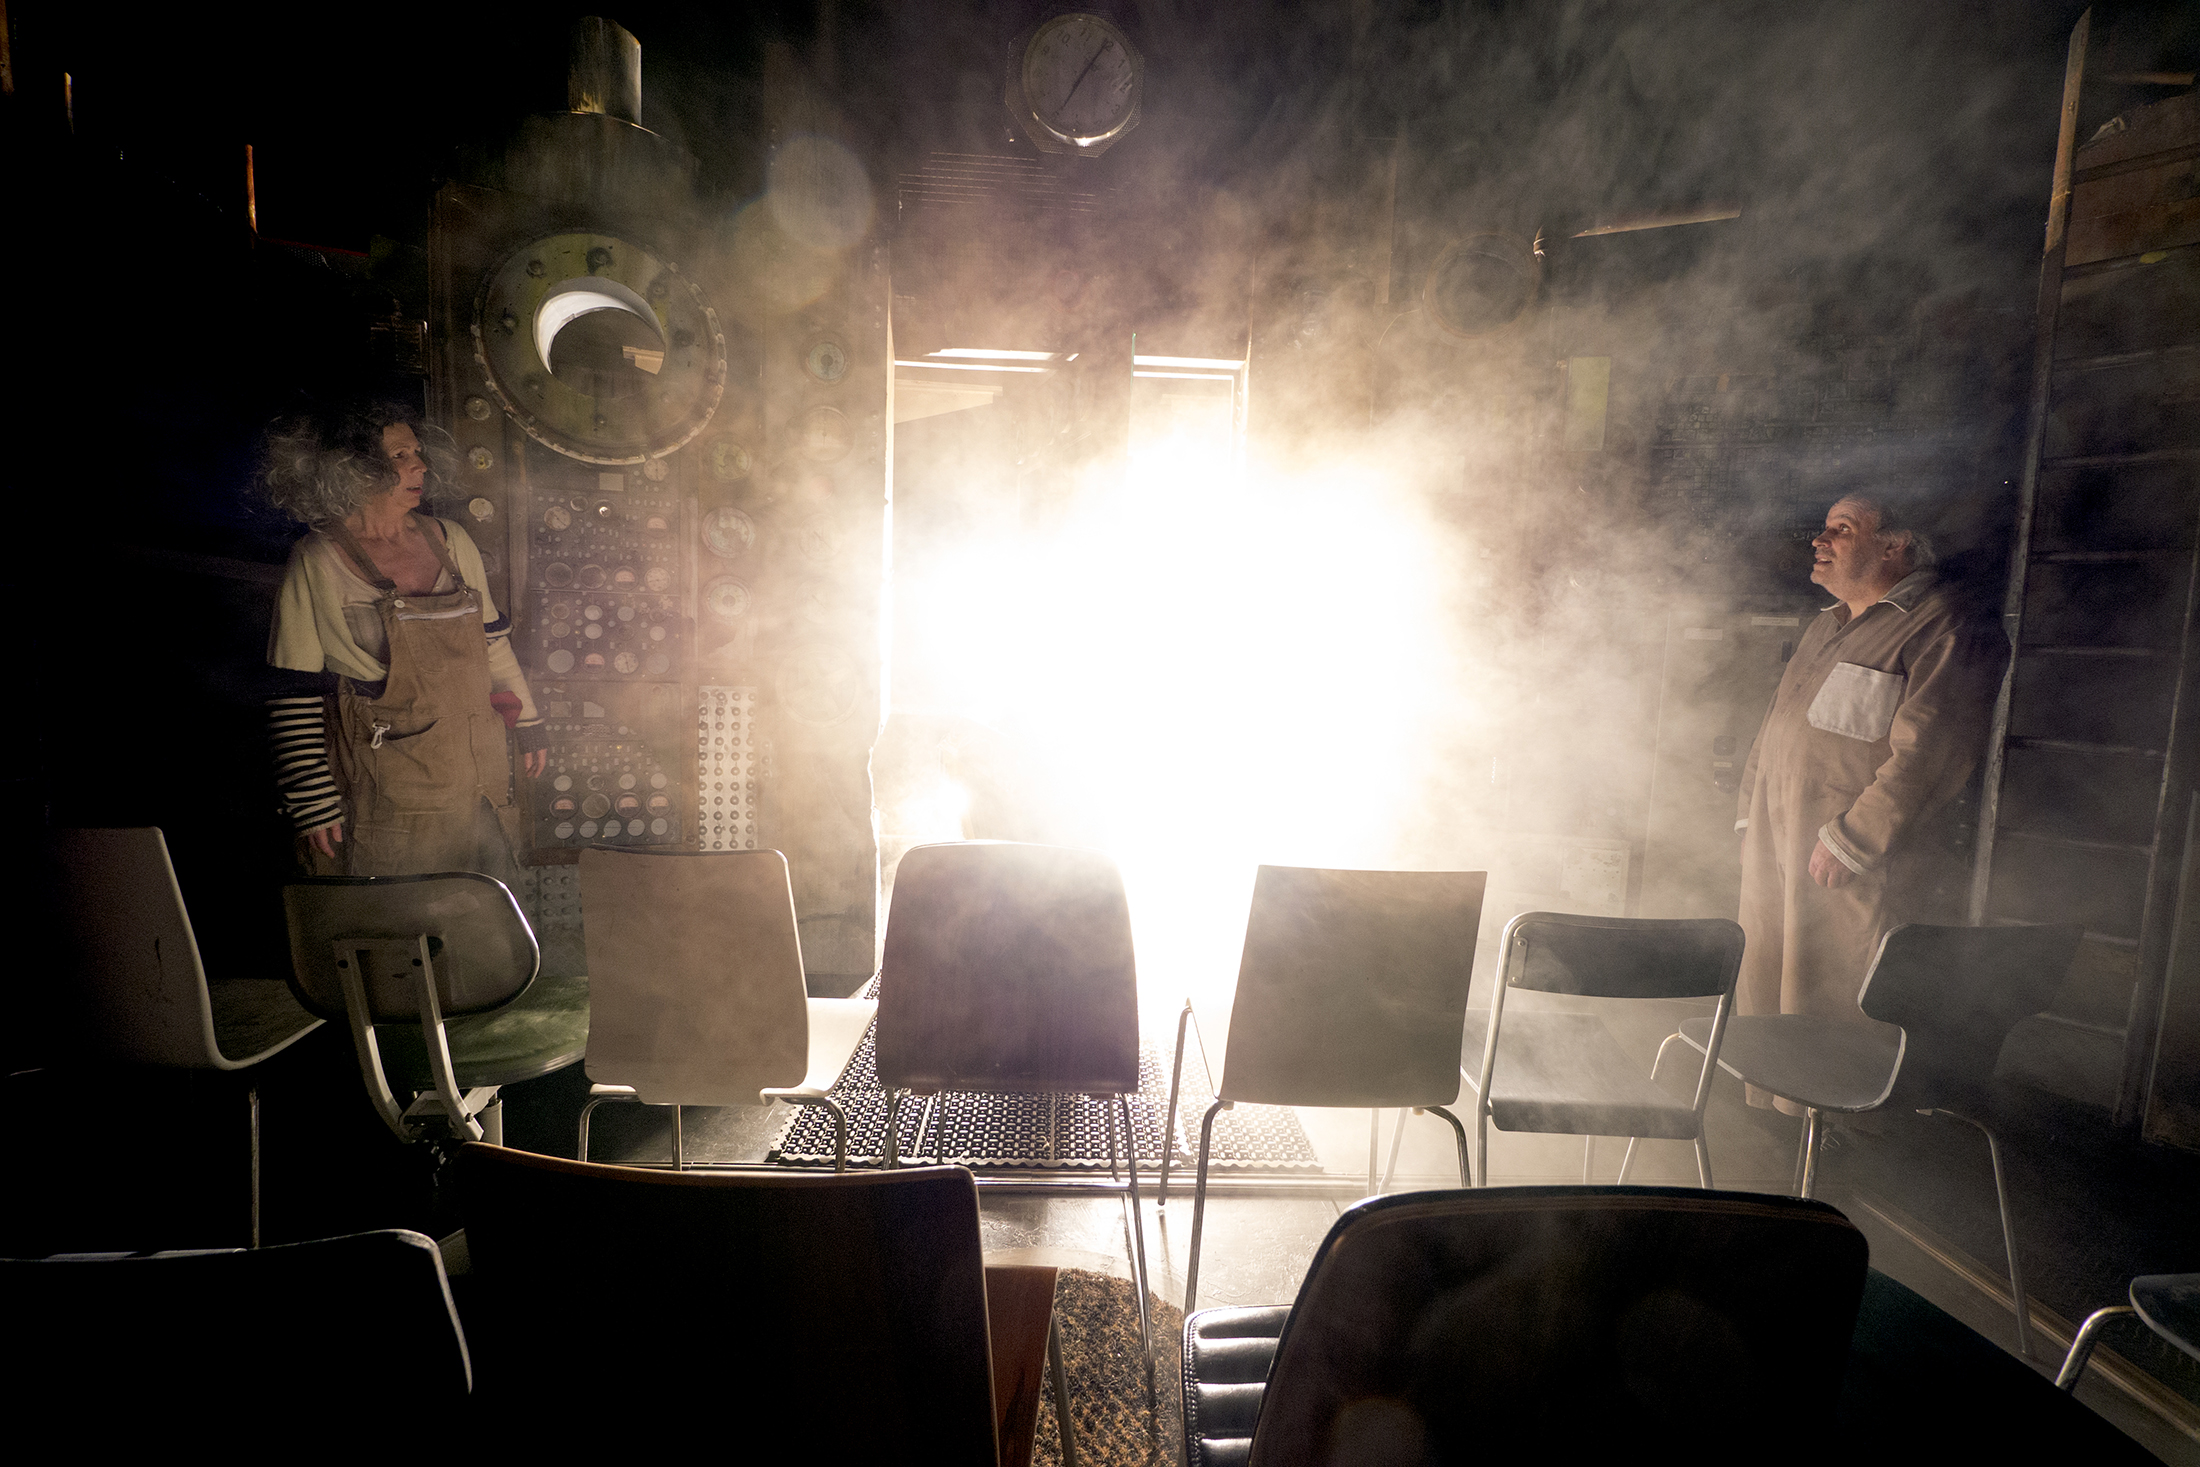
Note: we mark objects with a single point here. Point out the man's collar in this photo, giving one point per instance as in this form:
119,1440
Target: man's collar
1904,594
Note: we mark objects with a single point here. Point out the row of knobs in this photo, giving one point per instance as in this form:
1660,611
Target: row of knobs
558,575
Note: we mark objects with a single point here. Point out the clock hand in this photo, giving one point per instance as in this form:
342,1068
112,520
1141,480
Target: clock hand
1073,86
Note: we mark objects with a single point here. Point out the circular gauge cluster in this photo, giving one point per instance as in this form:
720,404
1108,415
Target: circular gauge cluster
599,348
585,633
1481,283
728,533
1074,84
606,793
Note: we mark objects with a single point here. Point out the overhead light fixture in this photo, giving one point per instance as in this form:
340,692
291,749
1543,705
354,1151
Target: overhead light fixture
992,354
1191,376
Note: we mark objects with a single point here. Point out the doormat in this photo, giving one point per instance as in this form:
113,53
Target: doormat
1107,1377
1045,1133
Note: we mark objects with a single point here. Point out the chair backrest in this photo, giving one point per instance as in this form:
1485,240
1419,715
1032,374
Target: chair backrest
695,991
483,950
1451,1326
1957,992
1621,957
1008,967
135,990
1353,987
850,1306
246,1336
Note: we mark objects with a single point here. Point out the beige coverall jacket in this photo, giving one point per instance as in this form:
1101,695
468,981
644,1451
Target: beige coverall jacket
1878,723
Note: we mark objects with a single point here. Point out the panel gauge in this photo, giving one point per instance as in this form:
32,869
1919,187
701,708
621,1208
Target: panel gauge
1074,84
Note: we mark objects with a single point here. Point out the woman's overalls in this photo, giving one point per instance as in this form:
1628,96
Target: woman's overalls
423,764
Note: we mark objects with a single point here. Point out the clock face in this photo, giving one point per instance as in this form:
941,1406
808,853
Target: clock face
1080,79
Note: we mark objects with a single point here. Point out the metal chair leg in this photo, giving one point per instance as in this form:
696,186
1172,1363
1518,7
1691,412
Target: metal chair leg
1168,1121
1627,1159
252,1109
1374,1144
1144,1280
1481,1142
1397,1135
1703,1157
1199,1204
588,1109
2020,1301
840,1127
1588,1155
935,1116
892,1158
1807,1180
1061,1391
2081,1345
679,1141
1458,1135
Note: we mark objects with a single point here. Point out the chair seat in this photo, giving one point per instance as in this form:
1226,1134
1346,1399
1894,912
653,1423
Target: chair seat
1827,1064
2170,1305
255,1018
1565,1073
544,1030
837,1027
1227,1353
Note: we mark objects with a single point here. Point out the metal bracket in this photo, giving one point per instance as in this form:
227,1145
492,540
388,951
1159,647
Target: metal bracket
441,1110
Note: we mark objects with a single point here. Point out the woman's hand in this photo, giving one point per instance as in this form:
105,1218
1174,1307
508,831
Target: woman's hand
1827,869
535,761
326,838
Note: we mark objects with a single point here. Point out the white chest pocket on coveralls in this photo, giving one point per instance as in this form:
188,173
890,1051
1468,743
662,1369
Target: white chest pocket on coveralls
1857,702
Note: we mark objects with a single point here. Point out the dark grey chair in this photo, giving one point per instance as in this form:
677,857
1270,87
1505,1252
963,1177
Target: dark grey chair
852,1307
134,990
2167,1303
1352,993
1442,1327
1936,1007
1556,1071
436,975
1008,970
136,1347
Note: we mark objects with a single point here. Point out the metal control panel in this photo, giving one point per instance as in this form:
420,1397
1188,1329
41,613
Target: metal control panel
605,635
606,571
606,783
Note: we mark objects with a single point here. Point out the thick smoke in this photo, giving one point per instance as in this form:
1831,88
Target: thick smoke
1494,687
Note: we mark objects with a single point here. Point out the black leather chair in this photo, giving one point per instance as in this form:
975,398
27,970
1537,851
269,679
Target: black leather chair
1448,1326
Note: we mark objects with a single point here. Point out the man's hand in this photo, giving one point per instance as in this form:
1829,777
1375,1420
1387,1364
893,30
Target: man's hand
1827,869
326,838
535,761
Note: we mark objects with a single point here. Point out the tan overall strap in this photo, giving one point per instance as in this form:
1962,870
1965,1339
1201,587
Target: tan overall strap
431,528
361,561
431,531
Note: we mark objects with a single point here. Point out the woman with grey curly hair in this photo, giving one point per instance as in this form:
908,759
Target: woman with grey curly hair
394,658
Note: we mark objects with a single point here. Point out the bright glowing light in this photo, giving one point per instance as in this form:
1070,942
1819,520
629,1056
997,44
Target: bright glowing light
1212,673
963,366
1192,376
992,355
1219,363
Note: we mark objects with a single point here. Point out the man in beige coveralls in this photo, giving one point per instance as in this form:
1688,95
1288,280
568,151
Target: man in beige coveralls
1880,718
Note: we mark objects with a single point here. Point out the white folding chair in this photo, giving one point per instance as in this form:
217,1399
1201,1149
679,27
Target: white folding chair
697,990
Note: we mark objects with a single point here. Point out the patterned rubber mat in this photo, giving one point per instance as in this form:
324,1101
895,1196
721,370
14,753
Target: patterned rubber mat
1071,1133
1107,1377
